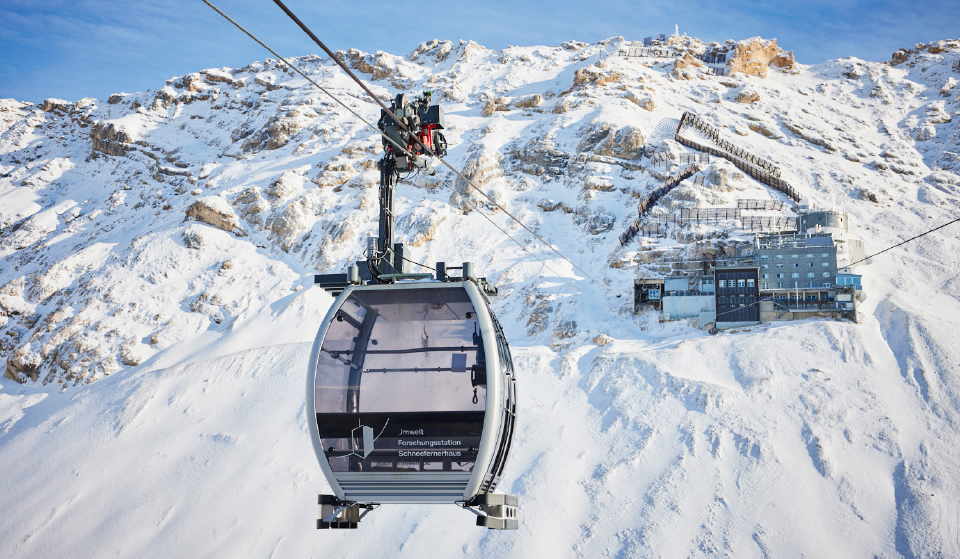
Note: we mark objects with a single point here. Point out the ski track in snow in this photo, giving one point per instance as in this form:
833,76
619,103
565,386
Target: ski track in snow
811,438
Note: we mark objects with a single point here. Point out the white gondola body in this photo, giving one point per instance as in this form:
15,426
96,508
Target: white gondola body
411,394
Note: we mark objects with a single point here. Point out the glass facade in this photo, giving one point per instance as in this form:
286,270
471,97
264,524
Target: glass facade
401,382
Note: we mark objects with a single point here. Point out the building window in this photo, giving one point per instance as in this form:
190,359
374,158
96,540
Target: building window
779,265
826,284
825,264
765,285
794,265
765,266
780,285
824,255
764,257
779,275
765,276
809,256
741,283
811,275
750,282
723,283
794,256
810,264
826,274
779,257
795,275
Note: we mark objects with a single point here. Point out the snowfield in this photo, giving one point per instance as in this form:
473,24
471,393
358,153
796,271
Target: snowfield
157,253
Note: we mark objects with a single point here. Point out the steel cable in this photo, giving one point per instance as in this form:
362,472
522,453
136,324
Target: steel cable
379,102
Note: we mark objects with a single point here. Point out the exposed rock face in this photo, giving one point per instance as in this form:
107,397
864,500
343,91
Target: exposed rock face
279,132
900,57
253,206
687,67
368,64
595,76
602,339
111,139
561,106
215,211
491,106
529,102
52,104
604,139
22,365
564,330
748,95
785,61
643,102
193,82
288,183
293,220
165,97
754,56
540,157
420,225
435,50
481,168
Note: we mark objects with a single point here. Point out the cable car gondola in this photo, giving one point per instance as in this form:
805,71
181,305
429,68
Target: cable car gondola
411,383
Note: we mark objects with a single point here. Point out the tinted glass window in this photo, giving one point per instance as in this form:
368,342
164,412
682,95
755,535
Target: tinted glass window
401,382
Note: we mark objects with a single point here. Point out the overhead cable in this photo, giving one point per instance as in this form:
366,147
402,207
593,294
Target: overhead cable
927,232
426,148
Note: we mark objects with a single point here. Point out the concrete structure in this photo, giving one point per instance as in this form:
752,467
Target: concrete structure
794,261
816,221
688,306
783,277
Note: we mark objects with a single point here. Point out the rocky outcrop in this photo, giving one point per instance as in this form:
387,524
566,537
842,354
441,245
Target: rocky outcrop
253,206
687,67
369,64
529,102
288,183
492,105
595,76
110,138
287,226
754,56
420,225
748,95
606,139
50,105
436,51
900,57
215,211
540,157
280,130
482,168
23,365
645,103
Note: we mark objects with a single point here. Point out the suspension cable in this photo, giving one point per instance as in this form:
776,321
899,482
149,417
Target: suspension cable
429,151
403,149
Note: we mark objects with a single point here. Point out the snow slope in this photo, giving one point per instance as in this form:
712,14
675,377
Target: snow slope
167,417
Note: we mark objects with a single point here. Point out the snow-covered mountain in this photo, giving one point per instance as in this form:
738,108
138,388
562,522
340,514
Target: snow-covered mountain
157,252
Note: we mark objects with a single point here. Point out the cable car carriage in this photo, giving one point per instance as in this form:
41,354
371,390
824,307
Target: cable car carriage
411,386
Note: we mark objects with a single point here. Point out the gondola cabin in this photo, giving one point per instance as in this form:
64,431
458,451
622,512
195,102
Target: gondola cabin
412,390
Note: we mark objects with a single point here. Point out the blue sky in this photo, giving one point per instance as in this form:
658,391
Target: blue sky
80,48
